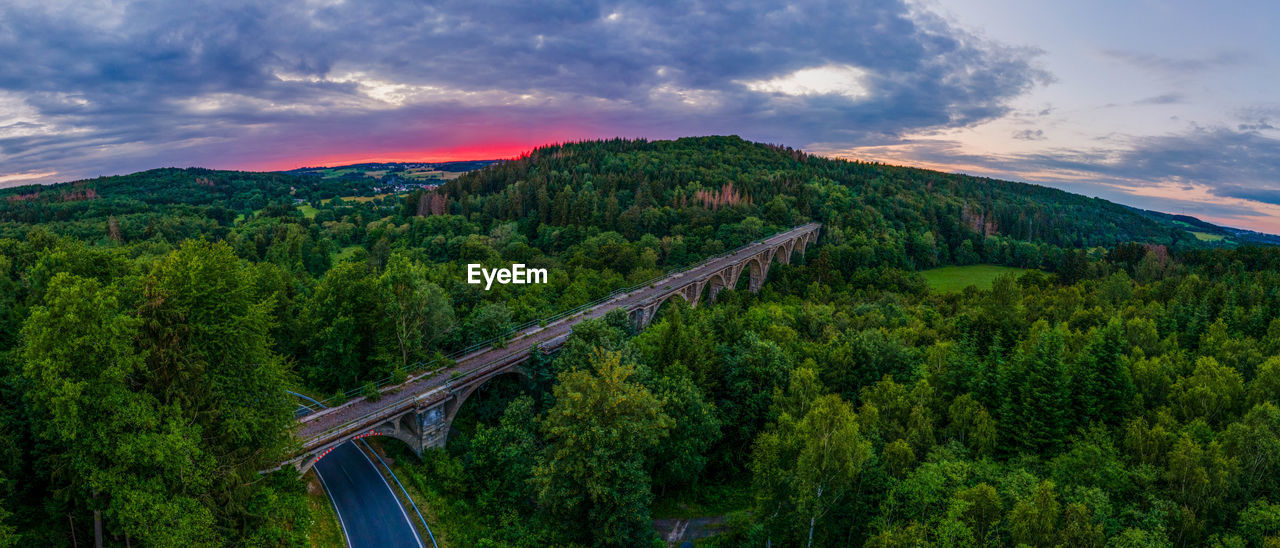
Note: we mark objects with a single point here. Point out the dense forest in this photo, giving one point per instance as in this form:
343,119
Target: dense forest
1121,391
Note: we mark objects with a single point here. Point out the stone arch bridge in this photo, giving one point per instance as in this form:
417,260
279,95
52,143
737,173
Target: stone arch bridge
420,411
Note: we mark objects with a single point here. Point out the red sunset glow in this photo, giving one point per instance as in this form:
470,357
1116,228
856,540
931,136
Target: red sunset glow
485,151
489,143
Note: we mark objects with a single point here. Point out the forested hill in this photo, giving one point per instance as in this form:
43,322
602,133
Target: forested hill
636,186
909,217
168,203
1117,385
730,171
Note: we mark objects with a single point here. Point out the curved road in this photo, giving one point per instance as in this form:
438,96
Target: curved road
368,510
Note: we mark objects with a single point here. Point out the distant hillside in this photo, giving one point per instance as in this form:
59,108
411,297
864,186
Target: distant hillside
1209,232
197,200
645,186
396,172
729,171
167,202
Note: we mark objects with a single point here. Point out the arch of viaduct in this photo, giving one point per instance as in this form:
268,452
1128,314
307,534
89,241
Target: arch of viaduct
755,264
420,411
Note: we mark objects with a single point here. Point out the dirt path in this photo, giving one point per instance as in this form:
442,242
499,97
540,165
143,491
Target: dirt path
683,531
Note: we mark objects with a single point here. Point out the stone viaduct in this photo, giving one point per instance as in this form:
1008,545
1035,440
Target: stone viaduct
420,411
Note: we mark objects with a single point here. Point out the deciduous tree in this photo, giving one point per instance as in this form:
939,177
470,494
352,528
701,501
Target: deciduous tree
592,477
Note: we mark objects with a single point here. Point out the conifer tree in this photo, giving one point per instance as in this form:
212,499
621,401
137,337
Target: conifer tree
1036,405
1102,386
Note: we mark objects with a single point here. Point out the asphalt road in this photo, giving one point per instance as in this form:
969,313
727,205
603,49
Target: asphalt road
368,510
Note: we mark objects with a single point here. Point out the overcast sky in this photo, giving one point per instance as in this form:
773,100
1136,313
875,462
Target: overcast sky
1163,105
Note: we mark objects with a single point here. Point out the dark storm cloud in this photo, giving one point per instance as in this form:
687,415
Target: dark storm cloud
1240,164
1178,65
1233,164
1162,99
1270,196
1257,118
1257,126
1029,135
122,86
1218,157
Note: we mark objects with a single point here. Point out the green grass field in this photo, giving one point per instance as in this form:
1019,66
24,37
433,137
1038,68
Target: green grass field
308,211
1207,237
357,198
951,279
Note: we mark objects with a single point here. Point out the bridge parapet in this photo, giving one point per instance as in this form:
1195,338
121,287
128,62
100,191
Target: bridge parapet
420,412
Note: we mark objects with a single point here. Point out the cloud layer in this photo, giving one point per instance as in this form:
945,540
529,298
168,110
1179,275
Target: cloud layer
1226,175
108,87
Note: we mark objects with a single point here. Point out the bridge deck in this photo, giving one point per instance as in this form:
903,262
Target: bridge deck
334,423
